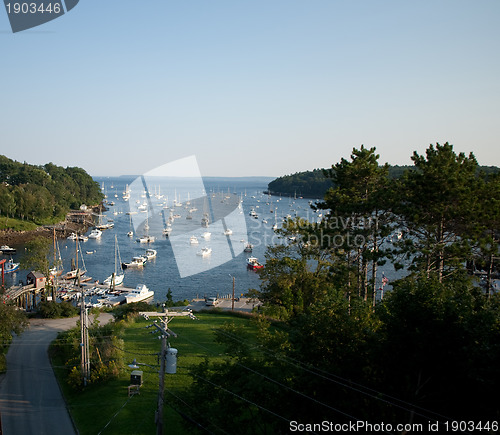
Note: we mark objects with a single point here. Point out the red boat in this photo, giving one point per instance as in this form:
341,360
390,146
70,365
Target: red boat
253,263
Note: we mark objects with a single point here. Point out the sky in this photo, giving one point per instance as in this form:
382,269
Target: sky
250,87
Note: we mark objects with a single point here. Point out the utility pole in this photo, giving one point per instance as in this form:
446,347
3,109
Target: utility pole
232,303
165,333
84,343
166,350
159,413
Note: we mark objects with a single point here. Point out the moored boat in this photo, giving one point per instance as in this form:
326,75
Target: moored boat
253,263
95,234
116,278
7,249
146,239
136,262
140,293
10,266
205,252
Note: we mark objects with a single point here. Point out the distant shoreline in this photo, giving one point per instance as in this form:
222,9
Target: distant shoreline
289,195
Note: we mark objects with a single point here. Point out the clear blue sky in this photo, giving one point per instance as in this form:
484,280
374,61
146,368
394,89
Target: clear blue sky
251,87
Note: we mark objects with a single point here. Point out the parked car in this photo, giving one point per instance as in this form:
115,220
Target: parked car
212,301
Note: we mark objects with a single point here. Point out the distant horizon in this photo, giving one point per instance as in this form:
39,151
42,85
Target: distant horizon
254,176
203,176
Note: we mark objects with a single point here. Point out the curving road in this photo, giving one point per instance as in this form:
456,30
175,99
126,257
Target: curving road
30,399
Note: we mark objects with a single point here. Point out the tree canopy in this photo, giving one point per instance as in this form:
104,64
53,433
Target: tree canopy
43,193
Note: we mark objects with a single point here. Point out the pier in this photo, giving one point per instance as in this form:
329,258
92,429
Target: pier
25,296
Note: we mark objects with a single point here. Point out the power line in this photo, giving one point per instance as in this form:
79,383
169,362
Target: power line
345,382
287,387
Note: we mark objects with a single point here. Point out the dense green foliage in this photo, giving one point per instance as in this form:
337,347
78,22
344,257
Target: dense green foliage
12,321
428,352
105,344
51,310
43,193
310,184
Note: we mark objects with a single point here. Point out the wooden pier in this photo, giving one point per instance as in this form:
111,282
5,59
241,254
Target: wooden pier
24,296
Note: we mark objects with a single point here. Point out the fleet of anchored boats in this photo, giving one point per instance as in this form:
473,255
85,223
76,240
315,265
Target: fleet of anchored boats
108,292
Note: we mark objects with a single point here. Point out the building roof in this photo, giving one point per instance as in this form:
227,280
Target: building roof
36,275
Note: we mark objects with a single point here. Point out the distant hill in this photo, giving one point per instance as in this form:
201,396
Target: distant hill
45,193
314,184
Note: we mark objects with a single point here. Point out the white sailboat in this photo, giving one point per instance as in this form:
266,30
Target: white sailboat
116,278
95,234
76,271
146,238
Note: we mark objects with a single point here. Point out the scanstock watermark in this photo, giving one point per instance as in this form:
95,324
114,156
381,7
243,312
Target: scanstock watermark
205,229
363,427
25,15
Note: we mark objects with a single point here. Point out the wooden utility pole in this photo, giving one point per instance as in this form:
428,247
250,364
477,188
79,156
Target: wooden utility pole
232,304
159,412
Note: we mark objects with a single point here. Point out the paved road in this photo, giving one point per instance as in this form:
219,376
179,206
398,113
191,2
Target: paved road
30,399
241,304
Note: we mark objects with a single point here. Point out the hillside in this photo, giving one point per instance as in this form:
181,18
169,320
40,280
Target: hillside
43,194
314,184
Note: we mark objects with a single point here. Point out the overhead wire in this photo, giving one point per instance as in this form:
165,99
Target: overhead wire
346,382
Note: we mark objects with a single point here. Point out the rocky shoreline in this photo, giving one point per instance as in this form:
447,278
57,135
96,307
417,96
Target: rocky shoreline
62,229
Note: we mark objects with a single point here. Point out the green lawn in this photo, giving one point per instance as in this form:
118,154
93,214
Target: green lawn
106,408
27,225
16,224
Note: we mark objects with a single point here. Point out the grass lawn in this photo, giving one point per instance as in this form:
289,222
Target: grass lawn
16,224
107,409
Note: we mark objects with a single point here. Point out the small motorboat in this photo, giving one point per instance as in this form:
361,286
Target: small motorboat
7,249
95,234
10,266
253,263
205,252
137,262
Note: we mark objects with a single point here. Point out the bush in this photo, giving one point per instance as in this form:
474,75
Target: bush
53,310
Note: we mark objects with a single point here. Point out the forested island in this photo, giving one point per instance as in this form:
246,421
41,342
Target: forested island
42,194
315,183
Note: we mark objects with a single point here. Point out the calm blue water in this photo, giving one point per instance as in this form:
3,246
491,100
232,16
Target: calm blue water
163,273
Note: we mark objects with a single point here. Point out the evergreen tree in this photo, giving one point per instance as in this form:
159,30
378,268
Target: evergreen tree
360,203
437,208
